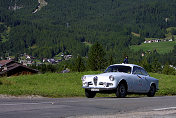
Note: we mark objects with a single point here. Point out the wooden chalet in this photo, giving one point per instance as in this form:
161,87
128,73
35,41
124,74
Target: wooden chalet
12,68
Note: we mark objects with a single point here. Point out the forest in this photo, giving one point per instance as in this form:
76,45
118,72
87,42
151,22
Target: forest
69,25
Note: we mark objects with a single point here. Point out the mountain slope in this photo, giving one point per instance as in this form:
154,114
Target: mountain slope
64,25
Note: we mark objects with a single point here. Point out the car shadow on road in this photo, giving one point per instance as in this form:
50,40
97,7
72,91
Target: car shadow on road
129,96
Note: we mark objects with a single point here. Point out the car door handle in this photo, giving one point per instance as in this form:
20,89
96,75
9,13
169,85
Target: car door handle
139,76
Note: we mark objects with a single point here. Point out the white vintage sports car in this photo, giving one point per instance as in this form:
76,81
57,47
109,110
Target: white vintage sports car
120,79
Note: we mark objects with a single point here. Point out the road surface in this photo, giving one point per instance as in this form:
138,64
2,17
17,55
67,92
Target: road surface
90,108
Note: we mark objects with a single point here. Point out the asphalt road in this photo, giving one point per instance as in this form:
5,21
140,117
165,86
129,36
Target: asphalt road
84,107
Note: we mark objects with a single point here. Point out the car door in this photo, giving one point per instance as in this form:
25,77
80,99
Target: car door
137,81
141,79
145,83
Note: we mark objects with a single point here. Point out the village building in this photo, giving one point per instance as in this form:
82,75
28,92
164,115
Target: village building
67,57
12,68
157,40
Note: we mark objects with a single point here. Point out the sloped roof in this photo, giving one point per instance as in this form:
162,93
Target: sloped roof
16,65
4,62
11,66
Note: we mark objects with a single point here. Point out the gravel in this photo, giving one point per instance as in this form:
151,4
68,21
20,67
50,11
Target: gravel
21,96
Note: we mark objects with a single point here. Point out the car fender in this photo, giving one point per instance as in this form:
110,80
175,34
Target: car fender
122,79
153,83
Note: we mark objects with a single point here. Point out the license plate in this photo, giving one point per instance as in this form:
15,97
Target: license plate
95,90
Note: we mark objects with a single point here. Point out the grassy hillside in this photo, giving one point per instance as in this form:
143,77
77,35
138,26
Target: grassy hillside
161,47
66,85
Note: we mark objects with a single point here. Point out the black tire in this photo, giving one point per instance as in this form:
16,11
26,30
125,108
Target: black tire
89,94
121,91
152,91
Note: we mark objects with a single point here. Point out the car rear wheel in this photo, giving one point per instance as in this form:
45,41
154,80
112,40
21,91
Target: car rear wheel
121,91
89,94
152,91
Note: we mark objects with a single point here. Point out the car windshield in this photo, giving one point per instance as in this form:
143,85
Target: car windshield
118,68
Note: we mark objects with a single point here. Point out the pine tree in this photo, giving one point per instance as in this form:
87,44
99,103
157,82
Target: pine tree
156,66
79,64
173,39
146,65
111,60
96,57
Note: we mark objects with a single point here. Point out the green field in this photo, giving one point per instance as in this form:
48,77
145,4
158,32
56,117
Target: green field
161,47
67,85
48,85
167,84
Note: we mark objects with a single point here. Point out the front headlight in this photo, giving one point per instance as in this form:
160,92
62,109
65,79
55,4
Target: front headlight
111,78
83,78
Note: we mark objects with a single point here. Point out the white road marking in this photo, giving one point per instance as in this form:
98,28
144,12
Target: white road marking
168,108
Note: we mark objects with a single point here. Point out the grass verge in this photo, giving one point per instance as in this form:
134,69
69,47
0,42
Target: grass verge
67,85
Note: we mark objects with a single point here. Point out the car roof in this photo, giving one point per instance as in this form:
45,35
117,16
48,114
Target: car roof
131,65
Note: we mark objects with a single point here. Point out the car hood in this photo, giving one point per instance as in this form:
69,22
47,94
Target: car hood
108,74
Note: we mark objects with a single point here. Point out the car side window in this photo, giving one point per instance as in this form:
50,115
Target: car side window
139,71
144,72
136,70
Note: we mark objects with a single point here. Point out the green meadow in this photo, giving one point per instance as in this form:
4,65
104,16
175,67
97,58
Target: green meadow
67,85
161,47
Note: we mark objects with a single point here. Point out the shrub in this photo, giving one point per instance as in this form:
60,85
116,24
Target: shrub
168,70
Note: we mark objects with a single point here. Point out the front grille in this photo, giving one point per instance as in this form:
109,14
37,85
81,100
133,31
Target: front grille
90,83
95,79
101,83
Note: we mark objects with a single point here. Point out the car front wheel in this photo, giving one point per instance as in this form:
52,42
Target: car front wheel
121,91
89,94
152,91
